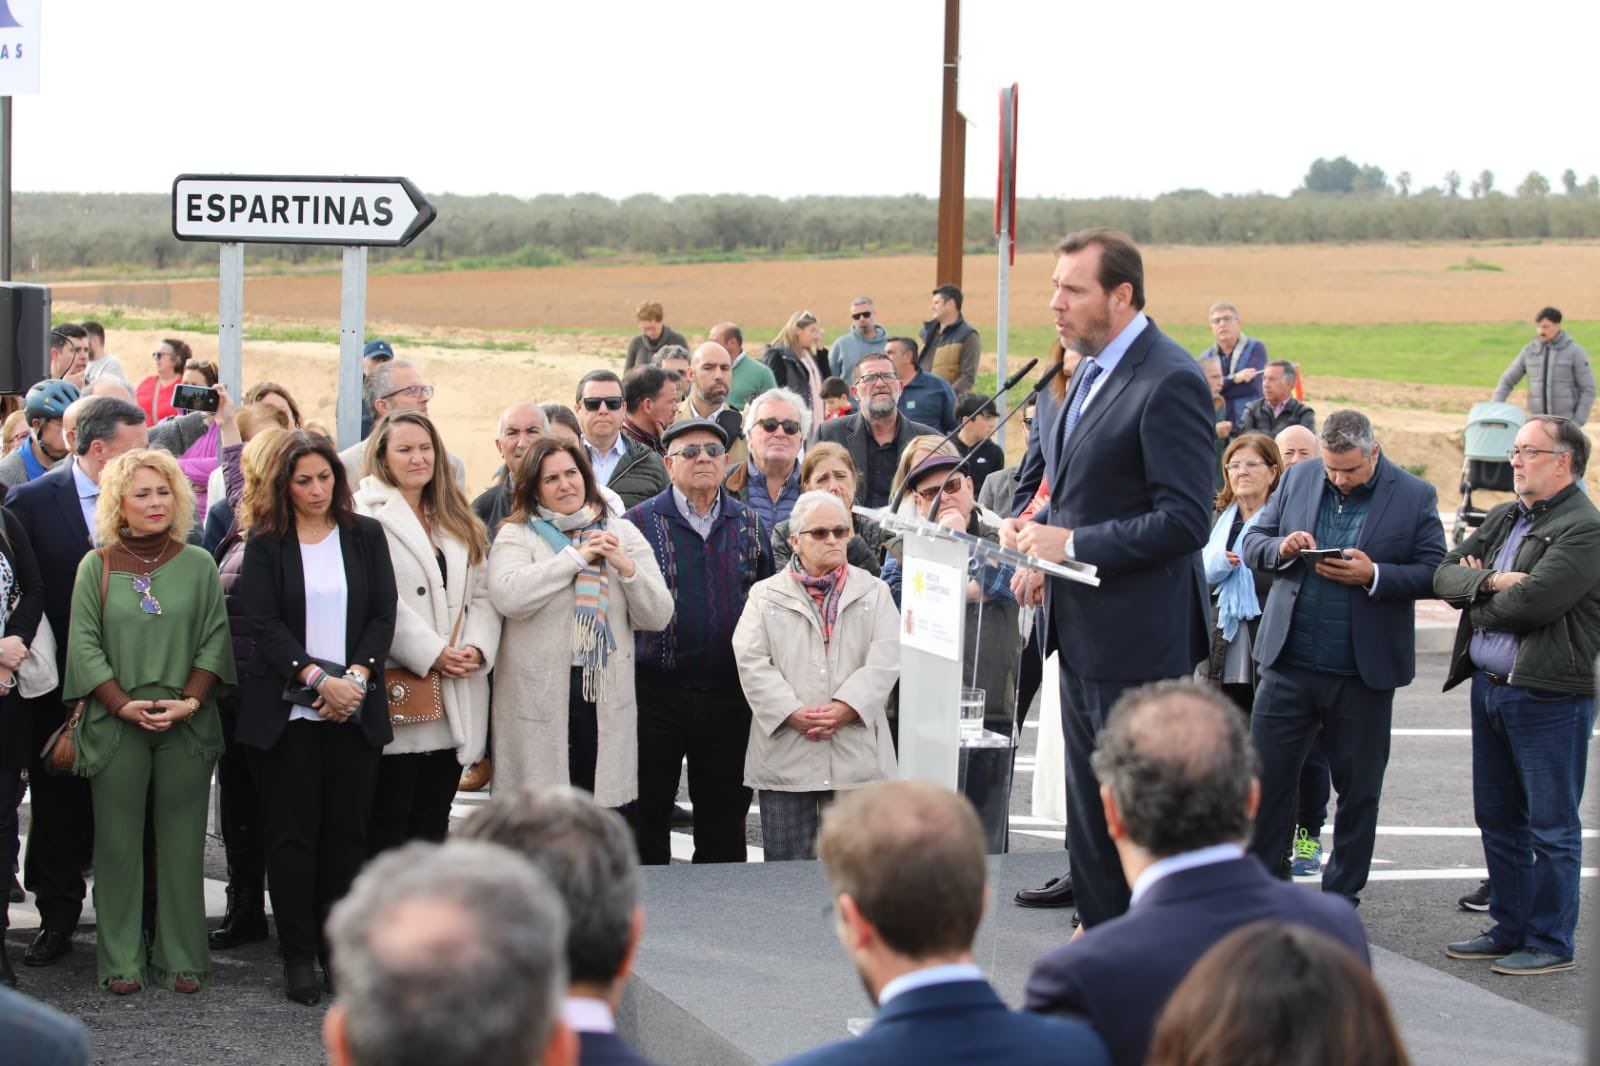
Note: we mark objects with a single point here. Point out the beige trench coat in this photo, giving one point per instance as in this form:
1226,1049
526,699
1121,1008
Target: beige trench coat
532,588
783,666
425,616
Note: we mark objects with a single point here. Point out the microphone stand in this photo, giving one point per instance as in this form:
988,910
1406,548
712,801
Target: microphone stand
1040,386
1010,383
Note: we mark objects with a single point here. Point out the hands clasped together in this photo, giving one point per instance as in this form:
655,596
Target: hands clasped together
821,723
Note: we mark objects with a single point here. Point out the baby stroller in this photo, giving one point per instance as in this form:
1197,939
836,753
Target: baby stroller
1491,432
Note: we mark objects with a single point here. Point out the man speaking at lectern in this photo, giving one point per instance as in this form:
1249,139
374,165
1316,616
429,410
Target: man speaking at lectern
1126,448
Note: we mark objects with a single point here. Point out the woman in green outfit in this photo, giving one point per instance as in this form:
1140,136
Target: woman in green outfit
149,662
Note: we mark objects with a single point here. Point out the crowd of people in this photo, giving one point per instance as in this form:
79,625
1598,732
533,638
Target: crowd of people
671,573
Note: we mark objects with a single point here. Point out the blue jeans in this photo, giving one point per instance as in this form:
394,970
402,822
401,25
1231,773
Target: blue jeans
1529,753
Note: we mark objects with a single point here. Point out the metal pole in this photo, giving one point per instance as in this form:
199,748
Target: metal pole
5,188
1002,318
230,318
352,337
952,156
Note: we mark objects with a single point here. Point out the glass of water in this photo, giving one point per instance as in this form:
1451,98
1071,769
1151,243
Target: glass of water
972,713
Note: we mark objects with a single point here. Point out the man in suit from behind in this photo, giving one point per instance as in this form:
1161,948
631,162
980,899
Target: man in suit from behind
1337,636
57,510
1127,449
1177,779
588,854
882,847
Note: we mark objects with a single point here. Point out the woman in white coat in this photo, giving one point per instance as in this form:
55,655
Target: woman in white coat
818,649
440,553
573,583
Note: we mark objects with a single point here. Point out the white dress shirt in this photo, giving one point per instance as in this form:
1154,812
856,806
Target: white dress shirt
605,465
1188,860
933,975
585,1015
88,498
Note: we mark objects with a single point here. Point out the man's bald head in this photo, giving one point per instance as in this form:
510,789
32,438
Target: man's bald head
1297,444
711,374
1176,759
111,386
519,425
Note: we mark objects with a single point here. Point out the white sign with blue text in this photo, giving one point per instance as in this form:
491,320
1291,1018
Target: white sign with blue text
19,47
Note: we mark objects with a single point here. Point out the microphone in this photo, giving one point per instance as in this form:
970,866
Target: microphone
1009,384
1039,386
1018,376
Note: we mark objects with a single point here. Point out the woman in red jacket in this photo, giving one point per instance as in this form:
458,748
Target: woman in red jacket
155,391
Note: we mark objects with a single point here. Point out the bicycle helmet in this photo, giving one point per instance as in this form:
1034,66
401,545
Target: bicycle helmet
49,399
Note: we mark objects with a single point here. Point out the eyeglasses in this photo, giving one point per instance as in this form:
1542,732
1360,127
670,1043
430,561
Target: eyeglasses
1529,453
416,392
610,403
772,425
873,379
692,451
1239,466
1220,319
950,488
859,315
829,533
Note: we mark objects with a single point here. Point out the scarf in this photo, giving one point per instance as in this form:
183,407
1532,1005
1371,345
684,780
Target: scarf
592,640
825,592
1235,585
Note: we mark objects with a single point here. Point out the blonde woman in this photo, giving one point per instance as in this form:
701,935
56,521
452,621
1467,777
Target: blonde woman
440,554
149,659
799,361
239,797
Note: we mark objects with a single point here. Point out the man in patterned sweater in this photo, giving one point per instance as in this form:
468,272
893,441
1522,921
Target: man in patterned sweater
711,549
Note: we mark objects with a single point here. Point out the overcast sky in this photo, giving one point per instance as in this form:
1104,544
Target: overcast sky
819,97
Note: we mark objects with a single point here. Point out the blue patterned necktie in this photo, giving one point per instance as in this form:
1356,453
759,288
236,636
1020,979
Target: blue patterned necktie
1075,409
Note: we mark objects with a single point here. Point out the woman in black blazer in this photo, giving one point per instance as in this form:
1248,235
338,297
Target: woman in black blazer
319,590
21,607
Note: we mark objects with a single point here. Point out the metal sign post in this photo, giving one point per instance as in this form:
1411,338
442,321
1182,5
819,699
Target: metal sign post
230,318
352,337
351,212
1005,221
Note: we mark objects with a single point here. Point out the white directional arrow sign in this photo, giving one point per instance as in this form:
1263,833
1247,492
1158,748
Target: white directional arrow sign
298,210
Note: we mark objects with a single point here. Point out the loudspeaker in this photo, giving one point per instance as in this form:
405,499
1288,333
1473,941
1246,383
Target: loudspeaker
24,336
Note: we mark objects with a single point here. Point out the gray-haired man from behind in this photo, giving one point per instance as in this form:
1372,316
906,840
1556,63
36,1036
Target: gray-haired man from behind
588,854
449,955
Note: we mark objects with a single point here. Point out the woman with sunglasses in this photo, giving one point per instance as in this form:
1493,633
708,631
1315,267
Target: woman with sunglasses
154,394
572,582
828,468
799,361
818,650
149,656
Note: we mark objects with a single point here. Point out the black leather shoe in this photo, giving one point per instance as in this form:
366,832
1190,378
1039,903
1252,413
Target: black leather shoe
682,817
8,976
238,927
17,895
300,983
1057,892
47,947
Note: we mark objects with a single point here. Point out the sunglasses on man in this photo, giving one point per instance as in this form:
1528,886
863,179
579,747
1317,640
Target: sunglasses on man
772,425
594,403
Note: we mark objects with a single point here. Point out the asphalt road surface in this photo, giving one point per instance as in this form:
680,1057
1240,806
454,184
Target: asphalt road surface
1428,854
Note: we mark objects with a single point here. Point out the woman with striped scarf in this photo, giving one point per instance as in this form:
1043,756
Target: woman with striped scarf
818,648
573,583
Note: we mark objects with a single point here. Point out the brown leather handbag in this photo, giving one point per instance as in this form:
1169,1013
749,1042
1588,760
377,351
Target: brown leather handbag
60,752
414,700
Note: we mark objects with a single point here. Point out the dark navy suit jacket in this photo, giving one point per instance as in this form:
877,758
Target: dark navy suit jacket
1403,536
48,509
1135,486
960,1022
607,1049
1119,975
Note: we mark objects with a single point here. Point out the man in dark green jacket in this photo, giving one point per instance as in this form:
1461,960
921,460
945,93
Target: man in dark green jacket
1529,593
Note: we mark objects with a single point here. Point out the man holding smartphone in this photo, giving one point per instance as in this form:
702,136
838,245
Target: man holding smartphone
1353,541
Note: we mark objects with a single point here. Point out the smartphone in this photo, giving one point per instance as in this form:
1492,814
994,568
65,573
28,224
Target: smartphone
1316,555
195,398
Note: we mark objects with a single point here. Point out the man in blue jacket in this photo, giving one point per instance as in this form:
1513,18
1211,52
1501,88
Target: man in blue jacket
884,847
1243,359
1337,635
1178,784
